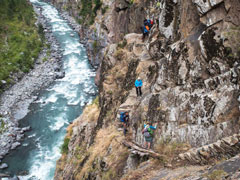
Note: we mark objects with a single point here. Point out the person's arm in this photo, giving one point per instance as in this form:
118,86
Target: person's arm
140,83
154,127
136,84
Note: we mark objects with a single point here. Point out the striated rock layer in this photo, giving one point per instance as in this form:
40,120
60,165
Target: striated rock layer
189,65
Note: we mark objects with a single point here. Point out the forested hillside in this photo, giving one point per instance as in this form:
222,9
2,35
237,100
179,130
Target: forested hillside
20,43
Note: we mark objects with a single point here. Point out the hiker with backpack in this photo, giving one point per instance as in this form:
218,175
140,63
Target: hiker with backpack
147,25
148,134
145,31
138,85
124,118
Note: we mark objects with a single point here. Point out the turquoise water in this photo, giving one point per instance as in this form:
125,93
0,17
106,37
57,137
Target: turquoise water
56,107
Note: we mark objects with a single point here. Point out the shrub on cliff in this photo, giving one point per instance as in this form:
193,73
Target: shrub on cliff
64,148
88,11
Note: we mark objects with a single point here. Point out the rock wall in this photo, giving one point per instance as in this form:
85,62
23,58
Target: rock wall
189,65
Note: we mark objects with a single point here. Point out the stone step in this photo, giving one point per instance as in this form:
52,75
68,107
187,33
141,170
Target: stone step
157,88
226,147
124,110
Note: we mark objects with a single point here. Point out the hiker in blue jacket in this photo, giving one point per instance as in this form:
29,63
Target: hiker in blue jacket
148,134
138,85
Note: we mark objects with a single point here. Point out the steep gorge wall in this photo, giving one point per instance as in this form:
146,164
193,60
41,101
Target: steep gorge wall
190,68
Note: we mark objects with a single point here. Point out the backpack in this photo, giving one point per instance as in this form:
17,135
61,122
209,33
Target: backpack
147,132
145,29
150,131
122,116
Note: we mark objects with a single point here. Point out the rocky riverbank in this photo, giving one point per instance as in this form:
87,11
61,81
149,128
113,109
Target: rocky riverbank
15,101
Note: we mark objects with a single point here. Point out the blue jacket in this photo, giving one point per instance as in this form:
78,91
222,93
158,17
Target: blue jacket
138,83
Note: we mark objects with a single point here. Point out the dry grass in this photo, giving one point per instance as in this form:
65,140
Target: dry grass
216,175
107,147
119,54
90,114
233,37
147,170
170,150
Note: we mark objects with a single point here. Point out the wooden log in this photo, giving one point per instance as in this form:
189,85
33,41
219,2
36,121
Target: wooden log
140,150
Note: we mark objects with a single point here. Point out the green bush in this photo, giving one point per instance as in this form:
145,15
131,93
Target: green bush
104,9
95,46
98,5
64,148
3,126
122,44
96,101
88,11
20,43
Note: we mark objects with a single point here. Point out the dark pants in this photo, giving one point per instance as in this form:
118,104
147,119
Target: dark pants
138,90
144,35
124,128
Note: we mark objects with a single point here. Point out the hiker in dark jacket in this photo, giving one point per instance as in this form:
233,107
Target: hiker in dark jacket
124,117
148,134
138,85
147,25
145,32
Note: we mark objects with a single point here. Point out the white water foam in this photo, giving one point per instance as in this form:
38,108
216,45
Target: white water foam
51,99
43,162
33,135
58,122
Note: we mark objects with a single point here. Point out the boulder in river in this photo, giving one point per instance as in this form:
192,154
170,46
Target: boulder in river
15,145
3,82
3,166
26,128
60,75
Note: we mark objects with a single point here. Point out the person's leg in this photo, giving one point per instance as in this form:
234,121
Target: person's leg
149,145
145,144
137,91
143,37
124,129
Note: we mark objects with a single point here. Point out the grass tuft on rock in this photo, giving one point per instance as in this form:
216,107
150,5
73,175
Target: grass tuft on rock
64,148
170,150
216,175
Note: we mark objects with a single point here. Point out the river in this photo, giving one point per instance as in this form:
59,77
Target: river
56,107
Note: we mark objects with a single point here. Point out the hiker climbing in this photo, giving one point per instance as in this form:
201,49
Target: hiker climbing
147,25
148,134
138,85
124,118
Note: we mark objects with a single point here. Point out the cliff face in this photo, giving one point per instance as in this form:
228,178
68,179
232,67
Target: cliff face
189,65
